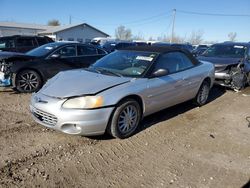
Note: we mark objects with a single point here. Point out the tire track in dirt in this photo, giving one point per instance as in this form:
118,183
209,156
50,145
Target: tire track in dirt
170,150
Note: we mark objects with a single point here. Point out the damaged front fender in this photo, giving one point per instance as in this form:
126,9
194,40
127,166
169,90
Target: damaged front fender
5,74
6,62
234,76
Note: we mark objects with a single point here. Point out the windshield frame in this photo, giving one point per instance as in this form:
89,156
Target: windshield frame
55,47
145,72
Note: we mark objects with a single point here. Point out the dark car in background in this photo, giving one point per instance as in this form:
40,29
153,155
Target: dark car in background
187,46
117,45
199,51
161,44
122,45
28,72
20,43
180,46
109,46
232,63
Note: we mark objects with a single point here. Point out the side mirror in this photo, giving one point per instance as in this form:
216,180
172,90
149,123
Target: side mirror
55,56
160,72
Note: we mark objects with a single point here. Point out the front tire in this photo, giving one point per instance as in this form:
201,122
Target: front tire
203,93
125,119
28,81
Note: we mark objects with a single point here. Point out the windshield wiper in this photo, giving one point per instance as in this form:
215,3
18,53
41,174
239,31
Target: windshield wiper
107,71
92,69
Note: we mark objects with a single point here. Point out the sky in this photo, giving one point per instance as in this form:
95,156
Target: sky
146,18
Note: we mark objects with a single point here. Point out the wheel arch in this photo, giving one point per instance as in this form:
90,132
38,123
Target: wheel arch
131,96
208,79
27,68
136,98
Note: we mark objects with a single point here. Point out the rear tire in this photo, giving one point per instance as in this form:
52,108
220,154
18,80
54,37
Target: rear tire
125,119
203,93
27,81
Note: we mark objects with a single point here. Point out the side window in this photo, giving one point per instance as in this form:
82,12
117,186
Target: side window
25,42
67,51
185,62
86,50
173,62
7,43
41,41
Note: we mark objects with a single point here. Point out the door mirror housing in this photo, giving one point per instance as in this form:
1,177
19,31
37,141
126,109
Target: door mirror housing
160,72
55,56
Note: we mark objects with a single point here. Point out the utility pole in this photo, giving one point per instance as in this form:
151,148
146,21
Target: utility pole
172,35
69,19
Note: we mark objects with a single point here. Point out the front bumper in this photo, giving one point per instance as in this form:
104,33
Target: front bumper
222,78
222,75
48,112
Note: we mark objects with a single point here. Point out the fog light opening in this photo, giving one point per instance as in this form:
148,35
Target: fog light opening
71,128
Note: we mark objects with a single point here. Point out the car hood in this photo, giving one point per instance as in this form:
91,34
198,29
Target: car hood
14,56
220,60
80,82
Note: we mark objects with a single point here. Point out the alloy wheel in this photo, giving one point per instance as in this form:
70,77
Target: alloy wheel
128,119
28,81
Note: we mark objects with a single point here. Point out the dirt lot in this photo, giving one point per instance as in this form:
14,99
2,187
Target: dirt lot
183,146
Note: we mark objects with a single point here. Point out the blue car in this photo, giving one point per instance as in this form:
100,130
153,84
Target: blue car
232,63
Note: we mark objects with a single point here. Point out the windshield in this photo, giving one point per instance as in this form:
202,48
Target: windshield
125,63
43,50
232,51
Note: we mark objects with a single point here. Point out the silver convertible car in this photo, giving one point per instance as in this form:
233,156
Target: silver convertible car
116,92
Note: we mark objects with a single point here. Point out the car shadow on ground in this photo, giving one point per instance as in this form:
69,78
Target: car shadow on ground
169,113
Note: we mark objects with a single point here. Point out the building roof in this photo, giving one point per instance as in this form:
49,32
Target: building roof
24,25
45,29
56,29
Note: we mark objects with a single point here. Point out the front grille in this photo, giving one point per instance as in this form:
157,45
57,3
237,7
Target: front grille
45,117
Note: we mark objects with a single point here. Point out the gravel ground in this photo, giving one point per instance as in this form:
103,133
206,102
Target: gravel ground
183,146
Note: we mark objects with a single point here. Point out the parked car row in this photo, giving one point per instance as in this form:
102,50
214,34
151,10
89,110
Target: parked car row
113,92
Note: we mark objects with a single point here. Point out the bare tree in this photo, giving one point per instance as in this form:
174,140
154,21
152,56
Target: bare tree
175,39
151,38
54,22
232,36
139,36
122,33
196,37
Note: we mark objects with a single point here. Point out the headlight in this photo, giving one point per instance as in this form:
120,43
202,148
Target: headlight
84,102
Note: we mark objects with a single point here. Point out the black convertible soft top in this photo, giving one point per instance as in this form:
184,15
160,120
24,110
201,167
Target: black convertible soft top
157,49
161,50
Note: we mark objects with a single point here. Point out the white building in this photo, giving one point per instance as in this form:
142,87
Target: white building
79,32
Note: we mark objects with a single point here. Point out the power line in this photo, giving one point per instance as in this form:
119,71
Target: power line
214,14
152,21
151,18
